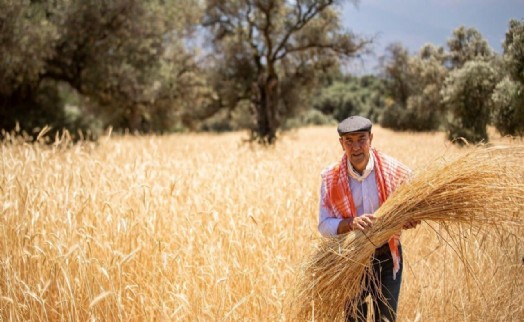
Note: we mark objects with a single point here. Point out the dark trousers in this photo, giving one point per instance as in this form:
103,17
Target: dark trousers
384,290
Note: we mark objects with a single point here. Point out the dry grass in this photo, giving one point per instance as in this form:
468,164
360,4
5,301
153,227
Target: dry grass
203,228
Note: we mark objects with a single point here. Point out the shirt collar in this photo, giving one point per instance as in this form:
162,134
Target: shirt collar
361,177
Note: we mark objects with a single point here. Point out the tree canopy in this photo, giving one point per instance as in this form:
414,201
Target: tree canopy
114,53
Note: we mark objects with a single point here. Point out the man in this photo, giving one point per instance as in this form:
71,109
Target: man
351,191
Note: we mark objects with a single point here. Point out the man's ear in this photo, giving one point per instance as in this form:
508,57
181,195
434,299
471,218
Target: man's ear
341,143
370,138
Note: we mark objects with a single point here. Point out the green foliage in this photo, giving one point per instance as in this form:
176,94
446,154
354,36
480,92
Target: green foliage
126,58
26,41
310,117
508,98
413,86
224,120
352,96
467,44
425,110
514,50
394,117
508,112
396,72
467,94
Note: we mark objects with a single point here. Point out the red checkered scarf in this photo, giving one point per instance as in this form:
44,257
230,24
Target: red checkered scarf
389,173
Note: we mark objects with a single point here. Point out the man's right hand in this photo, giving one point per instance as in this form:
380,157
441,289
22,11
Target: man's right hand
361,223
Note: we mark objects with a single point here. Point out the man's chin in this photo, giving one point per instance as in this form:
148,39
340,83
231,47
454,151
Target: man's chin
358,161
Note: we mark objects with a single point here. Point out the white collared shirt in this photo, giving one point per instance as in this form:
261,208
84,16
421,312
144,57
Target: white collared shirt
365,197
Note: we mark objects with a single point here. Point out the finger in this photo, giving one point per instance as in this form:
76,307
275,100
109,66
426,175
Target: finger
368,220
361,225
367,224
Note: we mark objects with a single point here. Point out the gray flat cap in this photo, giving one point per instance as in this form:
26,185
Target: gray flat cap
354,124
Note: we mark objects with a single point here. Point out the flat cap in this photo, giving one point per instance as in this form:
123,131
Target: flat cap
354,124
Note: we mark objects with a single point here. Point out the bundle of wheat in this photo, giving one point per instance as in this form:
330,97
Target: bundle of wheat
484,186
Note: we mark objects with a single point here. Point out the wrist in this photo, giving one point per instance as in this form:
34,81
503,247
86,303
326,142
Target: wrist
345,225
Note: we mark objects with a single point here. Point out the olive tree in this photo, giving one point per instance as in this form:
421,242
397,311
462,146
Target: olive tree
116,55
413,84
508,98
267,51
467,44
467,94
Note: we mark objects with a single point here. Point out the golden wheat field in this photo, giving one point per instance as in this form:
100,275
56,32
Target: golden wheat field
201,227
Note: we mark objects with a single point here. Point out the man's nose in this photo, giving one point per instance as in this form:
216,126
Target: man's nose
355,145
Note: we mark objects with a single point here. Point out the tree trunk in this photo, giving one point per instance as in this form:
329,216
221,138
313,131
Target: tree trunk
133,119
266,106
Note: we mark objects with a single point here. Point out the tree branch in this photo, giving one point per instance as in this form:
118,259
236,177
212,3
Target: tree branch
250,38
266,32
312,11
337,47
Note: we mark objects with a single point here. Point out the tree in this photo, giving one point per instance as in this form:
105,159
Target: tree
396,72
267,51
514,50
424,105
114,53
508,109
467,93
413,88
399,85
508,112
467,44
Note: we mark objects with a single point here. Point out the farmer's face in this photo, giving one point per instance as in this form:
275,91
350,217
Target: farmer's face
356,146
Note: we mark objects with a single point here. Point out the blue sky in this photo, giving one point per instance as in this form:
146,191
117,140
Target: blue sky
416,22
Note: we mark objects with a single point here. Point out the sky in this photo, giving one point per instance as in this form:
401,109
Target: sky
414,23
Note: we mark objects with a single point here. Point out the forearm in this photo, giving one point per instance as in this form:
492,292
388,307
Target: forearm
328,227
327,221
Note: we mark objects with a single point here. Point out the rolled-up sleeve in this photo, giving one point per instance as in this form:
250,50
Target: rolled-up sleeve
327,221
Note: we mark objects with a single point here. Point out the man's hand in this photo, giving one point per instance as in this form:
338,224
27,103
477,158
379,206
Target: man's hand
363,222
411,224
